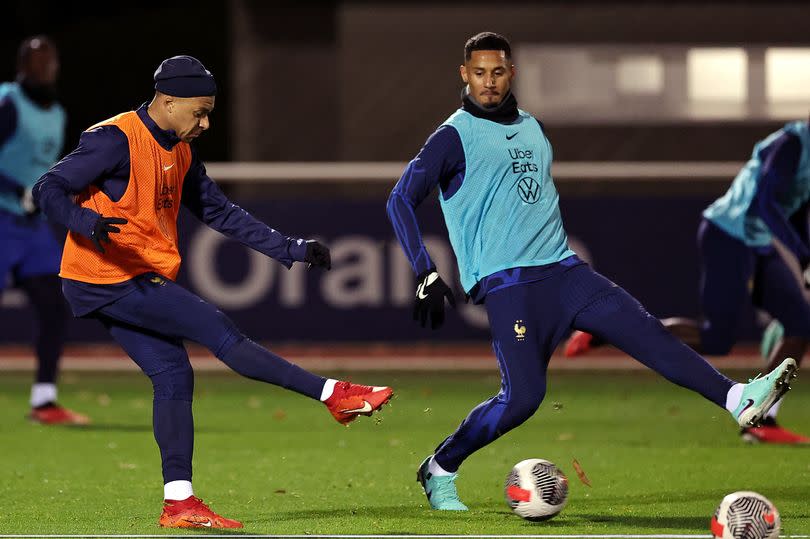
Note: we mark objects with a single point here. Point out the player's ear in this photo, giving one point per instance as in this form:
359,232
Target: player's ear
168,103
463,71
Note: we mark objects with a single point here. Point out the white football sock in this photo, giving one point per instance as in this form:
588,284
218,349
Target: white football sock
328,388
774,409
734,396
42,394
177,490
435,469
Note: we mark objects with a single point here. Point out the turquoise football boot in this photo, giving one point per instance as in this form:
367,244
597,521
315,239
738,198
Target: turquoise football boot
770,338
440,490
760,394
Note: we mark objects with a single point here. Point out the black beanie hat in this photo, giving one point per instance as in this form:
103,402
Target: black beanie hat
184,76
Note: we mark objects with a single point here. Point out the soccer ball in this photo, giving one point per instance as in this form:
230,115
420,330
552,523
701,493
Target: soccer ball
746,515
536,489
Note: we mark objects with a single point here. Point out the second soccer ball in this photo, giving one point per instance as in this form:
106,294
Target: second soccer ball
536,489
746,515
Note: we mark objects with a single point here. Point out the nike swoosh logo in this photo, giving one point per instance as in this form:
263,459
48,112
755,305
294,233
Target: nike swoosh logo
164,170
366,408
748,405
420,291
206,524
510,137
429,280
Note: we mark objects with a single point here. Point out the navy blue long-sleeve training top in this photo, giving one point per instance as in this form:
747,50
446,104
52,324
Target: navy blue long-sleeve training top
102,158
441,163
776,179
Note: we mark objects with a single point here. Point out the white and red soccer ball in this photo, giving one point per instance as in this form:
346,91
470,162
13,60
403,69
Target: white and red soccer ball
746,515
536,489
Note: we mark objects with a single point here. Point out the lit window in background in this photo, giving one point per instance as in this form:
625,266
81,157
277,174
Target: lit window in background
640,75
624,83
717,75
787,75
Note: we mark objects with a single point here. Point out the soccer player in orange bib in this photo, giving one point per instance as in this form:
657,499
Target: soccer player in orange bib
119,194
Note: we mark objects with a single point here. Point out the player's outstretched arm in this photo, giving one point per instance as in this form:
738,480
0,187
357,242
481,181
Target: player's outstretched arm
102,152
203,197
776,184
440,162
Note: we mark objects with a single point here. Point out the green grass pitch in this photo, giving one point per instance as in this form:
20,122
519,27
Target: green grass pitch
659,458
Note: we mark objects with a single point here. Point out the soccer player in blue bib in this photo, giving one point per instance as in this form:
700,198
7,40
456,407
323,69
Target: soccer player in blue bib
492,164
768,199
32,125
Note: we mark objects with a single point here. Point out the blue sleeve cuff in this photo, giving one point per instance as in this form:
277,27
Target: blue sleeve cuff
298,249
83,221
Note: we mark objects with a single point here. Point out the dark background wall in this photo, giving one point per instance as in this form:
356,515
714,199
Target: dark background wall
330,80
109,51
401,64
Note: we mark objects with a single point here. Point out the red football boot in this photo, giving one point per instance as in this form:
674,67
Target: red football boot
578,344
53,414
769,432
193,513
350,400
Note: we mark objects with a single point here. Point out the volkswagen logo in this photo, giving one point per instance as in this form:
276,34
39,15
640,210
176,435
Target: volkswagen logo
528,189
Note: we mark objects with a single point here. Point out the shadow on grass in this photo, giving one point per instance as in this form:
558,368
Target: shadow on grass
683,523
393,512
120,427
487,516
112,427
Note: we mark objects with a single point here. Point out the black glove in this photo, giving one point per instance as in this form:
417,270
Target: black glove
103,228
318,255
430,294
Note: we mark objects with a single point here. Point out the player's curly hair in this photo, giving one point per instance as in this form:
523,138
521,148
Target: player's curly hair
487,41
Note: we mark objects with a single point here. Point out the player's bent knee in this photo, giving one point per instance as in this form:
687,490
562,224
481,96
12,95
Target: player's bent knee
176,383
518,410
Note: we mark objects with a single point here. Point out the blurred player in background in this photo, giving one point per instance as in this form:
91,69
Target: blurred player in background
739,263
492,164
32,125
119,194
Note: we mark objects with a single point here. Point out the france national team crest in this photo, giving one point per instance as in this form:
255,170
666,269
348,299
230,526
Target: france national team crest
520,331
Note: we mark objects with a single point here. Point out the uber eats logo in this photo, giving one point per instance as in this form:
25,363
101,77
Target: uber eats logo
523,162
